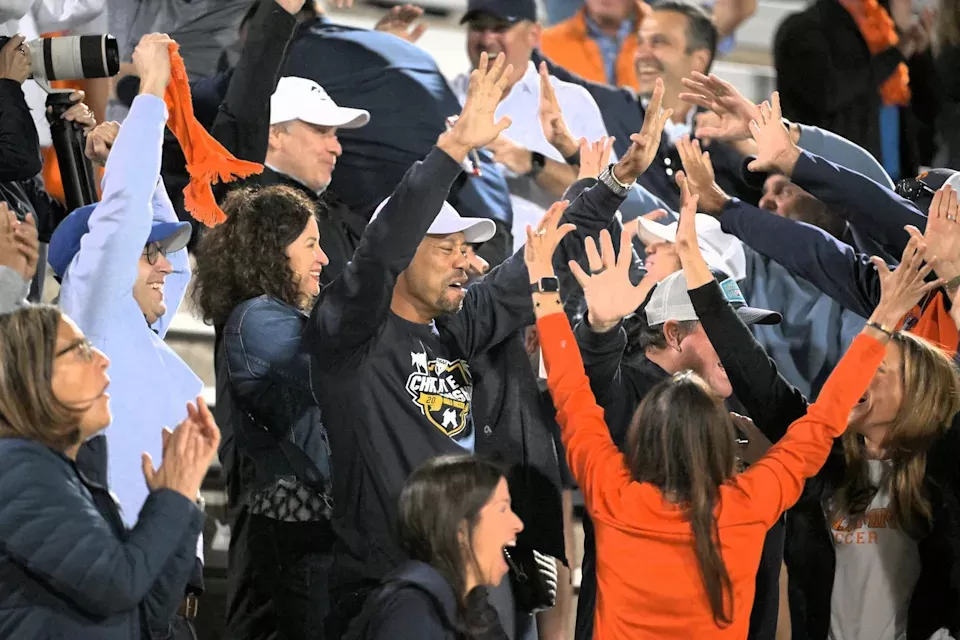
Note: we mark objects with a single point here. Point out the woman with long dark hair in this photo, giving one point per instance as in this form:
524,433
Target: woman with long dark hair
69,567
679,530
257,277
454,523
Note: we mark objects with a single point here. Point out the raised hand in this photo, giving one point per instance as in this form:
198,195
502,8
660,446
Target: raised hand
607,288
942,236
646,142
476,126
400,21
699,176
733,111
151,58
542,243
15,60
100,141
902,288
594,156
511,155
554,127
776,151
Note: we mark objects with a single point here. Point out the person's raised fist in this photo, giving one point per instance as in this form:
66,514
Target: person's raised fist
152,61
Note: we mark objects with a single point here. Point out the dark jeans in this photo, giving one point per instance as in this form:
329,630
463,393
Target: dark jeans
277,578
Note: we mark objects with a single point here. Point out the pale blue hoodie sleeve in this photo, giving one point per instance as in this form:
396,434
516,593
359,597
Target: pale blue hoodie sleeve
175,286
843,152
101,277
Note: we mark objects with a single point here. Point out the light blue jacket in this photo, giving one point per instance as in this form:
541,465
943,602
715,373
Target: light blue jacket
150,385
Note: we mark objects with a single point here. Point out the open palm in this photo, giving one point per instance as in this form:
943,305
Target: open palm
775,150
733,111
477,126
942,235
607,288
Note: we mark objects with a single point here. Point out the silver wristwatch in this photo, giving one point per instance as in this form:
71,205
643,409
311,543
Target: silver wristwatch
607,178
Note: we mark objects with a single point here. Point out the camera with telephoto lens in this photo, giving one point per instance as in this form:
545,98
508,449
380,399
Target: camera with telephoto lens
72,57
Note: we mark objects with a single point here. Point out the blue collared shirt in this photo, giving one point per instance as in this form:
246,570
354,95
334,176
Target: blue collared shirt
609,47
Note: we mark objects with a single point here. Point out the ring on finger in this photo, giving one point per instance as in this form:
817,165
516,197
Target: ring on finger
541,232
594,272
952,218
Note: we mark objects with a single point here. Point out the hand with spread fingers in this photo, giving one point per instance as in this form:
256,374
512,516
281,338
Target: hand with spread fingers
594,156
476,127
902,288
609,294
733,111
543,241
554,127
641,153
942,236
776,151
700,176
401,21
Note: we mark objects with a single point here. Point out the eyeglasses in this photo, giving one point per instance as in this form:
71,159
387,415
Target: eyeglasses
152,252
911,188
83,347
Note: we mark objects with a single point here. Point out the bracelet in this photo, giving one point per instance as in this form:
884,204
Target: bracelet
607,178
881,328
573,160
537,163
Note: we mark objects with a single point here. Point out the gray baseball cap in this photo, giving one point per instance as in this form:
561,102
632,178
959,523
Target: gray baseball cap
670,300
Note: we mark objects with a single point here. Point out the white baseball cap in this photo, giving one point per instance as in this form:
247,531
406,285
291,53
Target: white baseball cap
670,300
722,251
303,99
449,221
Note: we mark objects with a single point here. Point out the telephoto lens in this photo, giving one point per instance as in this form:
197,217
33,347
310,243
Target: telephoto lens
72,57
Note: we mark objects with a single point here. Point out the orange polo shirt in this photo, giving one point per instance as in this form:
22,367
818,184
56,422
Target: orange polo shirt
569,45
648,578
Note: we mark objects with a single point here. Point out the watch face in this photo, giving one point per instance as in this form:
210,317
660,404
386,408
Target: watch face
549,285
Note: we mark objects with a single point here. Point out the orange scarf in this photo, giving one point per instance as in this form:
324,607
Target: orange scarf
878,30
207,160
936,325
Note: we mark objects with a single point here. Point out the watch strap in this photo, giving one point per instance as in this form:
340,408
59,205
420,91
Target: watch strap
537,163
619,188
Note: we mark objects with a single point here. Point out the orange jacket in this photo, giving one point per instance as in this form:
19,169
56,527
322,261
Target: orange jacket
569,45
649,584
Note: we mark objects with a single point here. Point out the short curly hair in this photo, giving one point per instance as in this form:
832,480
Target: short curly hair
245,256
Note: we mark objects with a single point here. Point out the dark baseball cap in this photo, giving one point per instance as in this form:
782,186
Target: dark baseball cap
512,11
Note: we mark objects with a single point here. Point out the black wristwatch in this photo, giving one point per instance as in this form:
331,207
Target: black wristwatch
549,284
537,163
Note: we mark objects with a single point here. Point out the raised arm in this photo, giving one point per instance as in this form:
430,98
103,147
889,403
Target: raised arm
775,482
771,401
243,122
352,308
104,270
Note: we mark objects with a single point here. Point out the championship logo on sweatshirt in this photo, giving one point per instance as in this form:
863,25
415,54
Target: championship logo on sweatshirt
442,389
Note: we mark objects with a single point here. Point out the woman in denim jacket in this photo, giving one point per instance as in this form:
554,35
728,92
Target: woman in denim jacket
257,277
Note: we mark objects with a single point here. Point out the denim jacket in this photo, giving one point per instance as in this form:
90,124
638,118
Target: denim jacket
265,403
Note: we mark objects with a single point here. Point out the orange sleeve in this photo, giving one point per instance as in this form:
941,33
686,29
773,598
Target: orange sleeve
774,483
596,463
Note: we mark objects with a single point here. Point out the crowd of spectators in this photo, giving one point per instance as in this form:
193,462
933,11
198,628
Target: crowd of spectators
443,307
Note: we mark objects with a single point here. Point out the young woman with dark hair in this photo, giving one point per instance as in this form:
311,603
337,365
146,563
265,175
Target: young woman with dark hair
69,567
454,522
257,277
680,530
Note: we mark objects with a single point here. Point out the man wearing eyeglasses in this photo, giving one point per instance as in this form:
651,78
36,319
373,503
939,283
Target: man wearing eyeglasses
124,270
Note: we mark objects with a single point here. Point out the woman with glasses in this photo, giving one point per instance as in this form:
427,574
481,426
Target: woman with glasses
69,567
257,277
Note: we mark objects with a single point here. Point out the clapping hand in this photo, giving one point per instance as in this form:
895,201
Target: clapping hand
902,288
476,126
594,156
699,176
607,288
776,151
641,153
942,237
554,127
542,243
187,453
733,111
19,244
100,141
400,21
